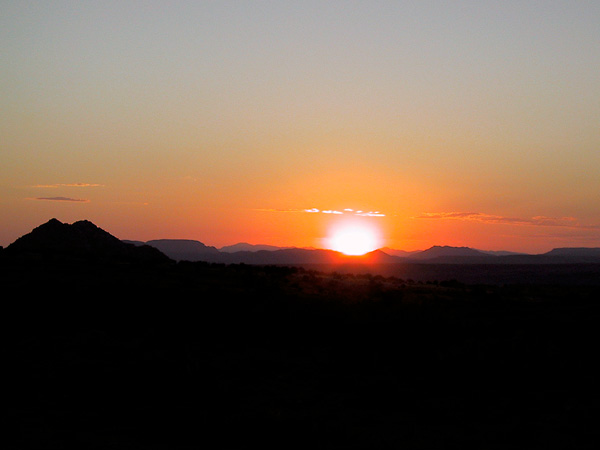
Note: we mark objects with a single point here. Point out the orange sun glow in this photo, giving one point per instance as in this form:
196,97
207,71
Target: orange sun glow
354,239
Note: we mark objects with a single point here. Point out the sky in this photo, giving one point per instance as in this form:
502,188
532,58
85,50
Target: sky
464,123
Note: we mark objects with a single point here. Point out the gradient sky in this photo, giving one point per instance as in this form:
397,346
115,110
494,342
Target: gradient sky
470,123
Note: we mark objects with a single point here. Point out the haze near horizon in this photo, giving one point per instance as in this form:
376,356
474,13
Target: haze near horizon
430,123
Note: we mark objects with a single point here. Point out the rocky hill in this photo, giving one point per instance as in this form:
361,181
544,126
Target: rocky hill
81,240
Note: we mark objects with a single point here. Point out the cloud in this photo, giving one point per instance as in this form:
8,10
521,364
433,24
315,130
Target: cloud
346,211
57,185
62,199
369,214
542,221
279,210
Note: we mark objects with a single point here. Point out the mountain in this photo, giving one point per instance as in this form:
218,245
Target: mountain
81,240
190,250
399,253
245,247
374,257
185,249
136,243
500,252
575,252
445,252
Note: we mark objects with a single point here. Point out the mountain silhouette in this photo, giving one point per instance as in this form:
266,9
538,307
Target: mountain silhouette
177,355
246,247
500,252
188,250
374,257
84,240
575,251
81,240
399,253
446,251
191,250
185,249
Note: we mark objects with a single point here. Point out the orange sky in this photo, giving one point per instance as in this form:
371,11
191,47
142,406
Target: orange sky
472,124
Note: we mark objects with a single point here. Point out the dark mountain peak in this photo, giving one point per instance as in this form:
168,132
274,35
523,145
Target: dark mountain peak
53,225
52,222
85,225
81,240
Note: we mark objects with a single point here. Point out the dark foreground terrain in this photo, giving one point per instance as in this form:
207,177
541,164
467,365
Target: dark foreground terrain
194,355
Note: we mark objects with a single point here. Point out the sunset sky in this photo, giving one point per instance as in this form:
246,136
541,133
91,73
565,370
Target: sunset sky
465,123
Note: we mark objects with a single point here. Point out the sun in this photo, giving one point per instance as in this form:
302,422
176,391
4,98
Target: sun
354,239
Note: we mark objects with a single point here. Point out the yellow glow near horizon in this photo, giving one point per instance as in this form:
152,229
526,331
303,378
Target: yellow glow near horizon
211,121
354,239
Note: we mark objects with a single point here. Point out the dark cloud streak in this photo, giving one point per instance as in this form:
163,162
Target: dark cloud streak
542,221
63,199
57,185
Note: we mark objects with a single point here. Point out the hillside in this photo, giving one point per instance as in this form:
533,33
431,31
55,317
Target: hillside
184,249
445,251
184,355
81,240
575,252
84,239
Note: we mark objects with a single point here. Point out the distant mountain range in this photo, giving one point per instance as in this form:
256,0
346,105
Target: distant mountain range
182,249
268,254
84,240
446,251
399,253
245,247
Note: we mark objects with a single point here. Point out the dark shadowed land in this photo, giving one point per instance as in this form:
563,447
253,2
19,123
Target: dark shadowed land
568,274
125,351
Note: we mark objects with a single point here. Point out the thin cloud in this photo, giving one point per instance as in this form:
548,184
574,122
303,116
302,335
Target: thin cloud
345,211
63,199
542,221
131,203
369,214
279,210
57,185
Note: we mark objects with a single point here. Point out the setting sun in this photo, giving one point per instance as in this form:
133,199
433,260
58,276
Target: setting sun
354,239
